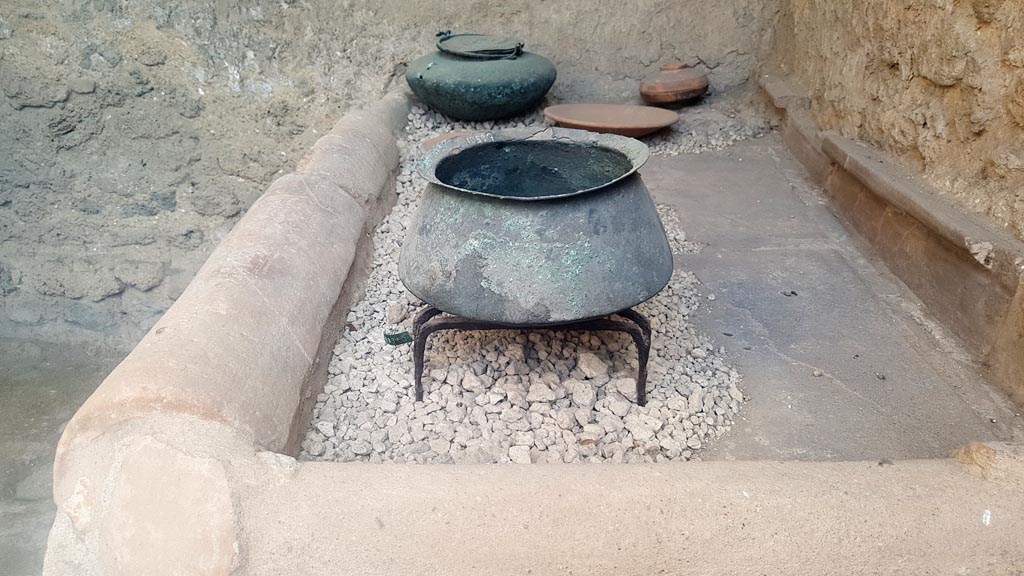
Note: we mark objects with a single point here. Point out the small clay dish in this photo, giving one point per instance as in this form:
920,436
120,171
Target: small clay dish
674,84
622,119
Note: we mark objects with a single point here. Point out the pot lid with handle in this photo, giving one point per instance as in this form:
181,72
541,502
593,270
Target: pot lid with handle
480,46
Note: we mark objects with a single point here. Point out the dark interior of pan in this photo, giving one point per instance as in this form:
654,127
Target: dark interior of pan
533,169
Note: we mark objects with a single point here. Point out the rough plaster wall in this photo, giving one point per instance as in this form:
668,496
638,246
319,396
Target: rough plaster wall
601,47
940,83
121,165
133,134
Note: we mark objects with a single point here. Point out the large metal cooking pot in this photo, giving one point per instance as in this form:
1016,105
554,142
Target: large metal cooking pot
535,227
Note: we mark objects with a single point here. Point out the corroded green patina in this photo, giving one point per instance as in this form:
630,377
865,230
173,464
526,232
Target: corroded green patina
537,259
478,78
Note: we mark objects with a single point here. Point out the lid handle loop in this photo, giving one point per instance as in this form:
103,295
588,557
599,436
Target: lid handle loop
478,46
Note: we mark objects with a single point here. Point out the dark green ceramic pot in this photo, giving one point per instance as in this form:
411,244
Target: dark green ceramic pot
475,77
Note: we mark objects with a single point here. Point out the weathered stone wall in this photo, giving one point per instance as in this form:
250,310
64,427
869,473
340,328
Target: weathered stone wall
135,134
938,83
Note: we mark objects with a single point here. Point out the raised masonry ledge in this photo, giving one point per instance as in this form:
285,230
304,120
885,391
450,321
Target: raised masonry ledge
967,271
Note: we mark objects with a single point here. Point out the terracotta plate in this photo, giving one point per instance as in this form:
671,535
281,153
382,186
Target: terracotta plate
611,118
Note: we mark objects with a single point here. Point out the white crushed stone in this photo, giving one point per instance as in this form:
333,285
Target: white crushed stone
506,396
720,123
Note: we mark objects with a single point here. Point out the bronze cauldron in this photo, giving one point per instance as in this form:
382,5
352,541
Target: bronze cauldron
533,227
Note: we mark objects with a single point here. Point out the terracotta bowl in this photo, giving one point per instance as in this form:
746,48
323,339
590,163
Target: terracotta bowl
674,84
622,119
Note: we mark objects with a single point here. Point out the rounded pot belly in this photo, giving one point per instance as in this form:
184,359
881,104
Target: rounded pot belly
537,262
469,89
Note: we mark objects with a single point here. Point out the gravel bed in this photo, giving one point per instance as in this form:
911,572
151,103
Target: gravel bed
712,125
506,396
